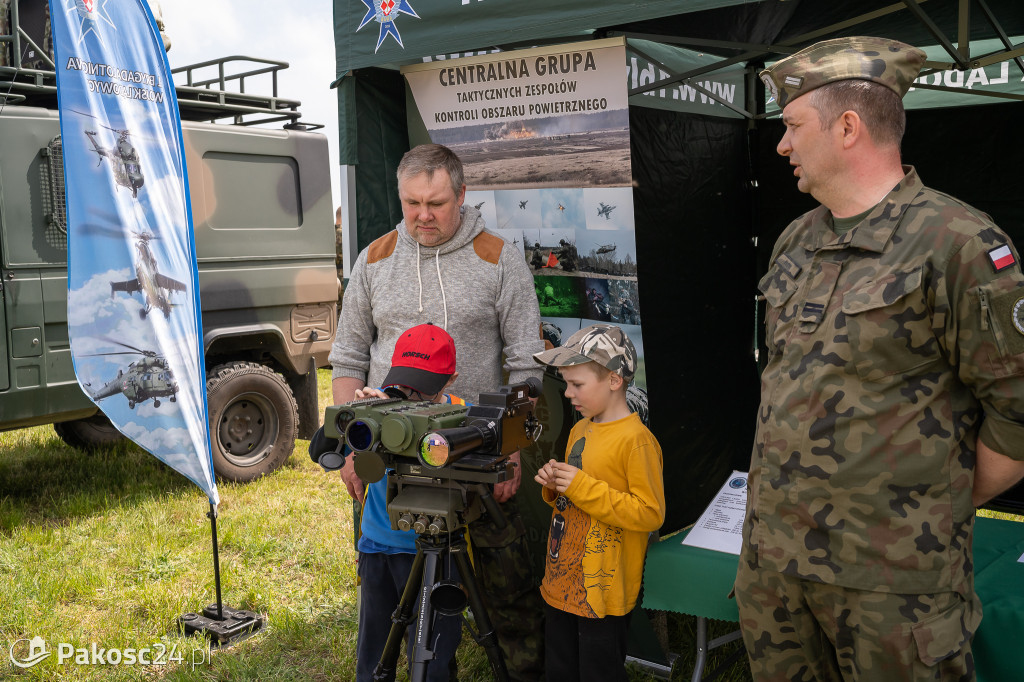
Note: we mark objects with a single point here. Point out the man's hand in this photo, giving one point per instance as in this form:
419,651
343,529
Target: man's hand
367,392
994,473
505,490
556,475
356,486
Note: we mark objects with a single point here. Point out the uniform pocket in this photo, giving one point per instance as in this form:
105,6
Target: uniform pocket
889,326
778,287
940,636
1002,319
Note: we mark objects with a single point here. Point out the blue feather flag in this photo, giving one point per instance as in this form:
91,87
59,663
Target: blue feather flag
133,290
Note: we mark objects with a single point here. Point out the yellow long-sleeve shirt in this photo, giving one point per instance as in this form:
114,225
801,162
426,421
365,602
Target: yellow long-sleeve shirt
599,527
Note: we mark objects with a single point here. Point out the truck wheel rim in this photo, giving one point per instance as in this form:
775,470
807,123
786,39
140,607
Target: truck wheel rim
248,429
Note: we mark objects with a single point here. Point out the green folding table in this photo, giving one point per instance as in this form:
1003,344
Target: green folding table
698,581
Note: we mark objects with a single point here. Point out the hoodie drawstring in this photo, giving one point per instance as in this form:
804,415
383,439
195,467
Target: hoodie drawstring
444,300
419,280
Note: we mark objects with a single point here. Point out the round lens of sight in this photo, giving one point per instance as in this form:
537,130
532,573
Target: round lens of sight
434,450
342,419
359,436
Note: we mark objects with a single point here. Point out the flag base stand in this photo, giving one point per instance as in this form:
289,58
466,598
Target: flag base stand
224,626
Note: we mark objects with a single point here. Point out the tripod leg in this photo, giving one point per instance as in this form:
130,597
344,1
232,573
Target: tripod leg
485,631
422,651
400,620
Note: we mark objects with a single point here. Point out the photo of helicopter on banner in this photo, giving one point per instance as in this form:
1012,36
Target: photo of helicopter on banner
543,135
133,313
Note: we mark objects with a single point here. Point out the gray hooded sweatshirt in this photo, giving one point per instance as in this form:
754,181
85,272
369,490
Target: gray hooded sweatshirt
476,286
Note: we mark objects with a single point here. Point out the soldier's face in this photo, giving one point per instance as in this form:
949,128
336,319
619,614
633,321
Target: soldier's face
430,207
812,152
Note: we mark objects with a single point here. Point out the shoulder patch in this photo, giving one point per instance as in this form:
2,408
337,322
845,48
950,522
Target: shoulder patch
382,247
488,247
1001,257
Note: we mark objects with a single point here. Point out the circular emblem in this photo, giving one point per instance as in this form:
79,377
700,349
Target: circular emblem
561,503
1018,315
738,483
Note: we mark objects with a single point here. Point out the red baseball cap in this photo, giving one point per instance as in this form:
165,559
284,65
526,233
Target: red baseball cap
424,360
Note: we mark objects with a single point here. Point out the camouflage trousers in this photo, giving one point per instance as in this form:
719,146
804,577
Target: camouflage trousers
798,631
504,571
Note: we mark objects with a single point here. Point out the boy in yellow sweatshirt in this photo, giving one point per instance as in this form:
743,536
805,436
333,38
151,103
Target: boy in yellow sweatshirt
607,496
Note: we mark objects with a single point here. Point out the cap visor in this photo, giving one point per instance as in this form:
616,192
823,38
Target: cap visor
561,357
427,383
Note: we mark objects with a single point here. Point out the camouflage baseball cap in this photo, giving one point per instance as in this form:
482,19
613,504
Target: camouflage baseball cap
605,344
888,62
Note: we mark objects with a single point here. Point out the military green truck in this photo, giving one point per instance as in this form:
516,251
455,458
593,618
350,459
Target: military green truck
261,207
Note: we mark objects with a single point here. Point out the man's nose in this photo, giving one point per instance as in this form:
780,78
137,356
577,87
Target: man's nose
784,147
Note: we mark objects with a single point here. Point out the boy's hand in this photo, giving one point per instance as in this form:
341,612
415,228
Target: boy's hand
556,475
562,474
355,485
367,392
545,475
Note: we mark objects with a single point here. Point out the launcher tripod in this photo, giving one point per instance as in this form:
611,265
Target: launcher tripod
433,594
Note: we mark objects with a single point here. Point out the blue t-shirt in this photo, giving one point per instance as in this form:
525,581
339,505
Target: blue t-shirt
376,536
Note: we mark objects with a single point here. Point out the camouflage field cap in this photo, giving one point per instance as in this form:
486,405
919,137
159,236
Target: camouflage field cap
888,62
605,344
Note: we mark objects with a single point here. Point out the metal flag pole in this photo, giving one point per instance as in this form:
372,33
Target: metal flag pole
223,625
216,560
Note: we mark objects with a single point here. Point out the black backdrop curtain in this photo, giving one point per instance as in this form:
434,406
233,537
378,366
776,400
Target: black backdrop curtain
692,197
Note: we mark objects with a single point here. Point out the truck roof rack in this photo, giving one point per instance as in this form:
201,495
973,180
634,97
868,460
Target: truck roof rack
203,97
212,90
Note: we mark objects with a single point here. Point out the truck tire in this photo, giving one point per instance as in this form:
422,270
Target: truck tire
253,420
92,433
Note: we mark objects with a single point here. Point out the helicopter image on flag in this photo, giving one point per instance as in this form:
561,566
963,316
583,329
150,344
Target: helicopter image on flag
156,288
123,158
147,378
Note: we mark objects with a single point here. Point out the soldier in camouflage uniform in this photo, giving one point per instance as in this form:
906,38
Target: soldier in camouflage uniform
892,400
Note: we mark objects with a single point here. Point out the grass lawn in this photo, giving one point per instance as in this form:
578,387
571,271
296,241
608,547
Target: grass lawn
108,549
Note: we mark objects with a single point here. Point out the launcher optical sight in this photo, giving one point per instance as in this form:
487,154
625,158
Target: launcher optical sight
431,450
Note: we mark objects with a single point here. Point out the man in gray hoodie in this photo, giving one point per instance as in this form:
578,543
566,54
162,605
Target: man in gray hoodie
440,265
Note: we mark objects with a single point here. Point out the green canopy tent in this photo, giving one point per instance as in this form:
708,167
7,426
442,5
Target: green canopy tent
710,194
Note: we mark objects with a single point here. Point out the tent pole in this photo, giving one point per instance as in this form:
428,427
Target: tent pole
997,27
216,560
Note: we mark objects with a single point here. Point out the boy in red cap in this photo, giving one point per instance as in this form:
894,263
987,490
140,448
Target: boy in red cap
422,367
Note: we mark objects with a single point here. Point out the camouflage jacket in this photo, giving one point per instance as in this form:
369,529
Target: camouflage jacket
892,349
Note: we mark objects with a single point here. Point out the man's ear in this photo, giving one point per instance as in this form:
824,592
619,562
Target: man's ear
852,128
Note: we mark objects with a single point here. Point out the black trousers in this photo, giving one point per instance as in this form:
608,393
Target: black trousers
584,649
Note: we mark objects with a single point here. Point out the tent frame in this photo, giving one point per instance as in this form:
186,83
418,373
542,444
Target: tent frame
959,53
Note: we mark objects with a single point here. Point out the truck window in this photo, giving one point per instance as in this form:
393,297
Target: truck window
246,178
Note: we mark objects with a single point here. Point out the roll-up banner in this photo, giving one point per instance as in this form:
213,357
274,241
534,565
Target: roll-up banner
543,135
133,292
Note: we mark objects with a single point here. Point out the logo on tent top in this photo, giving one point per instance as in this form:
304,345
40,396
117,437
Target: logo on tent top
90,12
385,13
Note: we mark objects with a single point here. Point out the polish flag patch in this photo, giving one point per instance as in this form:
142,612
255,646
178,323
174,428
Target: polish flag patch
1001,257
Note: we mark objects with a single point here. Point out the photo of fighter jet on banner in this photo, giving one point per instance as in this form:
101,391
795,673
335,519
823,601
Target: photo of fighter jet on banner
156,288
